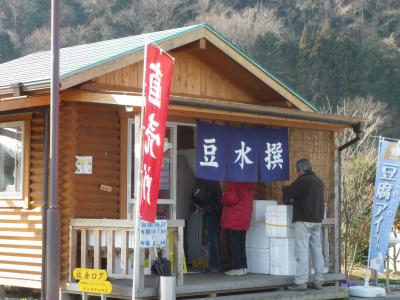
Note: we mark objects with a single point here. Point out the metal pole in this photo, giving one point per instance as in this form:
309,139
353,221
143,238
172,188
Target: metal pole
45,199
366,280
53,214
136,251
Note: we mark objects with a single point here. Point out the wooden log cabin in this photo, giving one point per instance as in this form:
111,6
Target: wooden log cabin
100,86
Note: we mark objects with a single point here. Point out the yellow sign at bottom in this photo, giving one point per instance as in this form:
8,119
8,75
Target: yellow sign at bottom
90,274
97,287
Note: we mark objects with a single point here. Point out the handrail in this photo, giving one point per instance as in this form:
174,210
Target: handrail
116,223
111,240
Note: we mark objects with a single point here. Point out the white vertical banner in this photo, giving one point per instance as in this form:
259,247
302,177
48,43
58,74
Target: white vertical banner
386,201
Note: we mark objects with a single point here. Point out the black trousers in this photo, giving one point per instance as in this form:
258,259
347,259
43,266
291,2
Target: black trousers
237,241
214,256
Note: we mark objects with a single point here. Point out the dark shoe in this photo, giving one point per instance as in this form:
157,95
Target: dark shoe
297,287
317,285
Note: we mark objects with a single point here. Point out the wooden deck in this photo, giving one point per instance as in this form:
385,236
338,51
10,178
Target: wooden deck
204,284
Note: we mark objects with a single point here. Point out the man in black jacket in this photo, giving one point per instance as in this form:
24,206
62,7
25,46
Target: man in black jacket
207,194
306,194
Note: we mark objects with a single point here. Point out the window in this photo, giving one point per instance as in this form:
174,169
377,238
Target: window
166,197
14,162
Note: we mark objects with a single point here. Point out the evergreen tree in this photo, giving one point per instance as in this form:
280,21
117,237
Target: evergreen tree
303,70
7,49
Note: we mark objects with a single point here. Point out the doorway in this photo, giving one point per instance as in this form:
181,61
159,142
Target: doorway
176,184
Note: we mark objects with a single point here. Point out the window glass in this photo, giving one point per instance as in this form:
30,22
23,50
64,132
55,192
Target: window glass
166,172
163,212
11,159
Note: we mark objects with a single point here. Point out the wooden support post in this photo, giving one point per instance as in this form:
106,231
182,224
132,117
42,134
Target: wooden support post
97,250
180,255
124,252
84,248
110,251
326,245
140,282
337,202
73,246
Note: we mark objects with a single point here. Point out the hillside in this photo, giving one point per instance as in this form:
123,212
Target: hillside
327,50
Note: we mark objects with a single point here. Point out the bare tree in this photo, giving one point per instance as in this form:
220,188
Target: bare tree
243,27
358,174
96,8
315,12
39,40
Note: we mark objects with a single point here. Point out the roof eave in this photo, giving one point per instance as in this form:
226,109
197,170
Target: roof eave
26,87
346,121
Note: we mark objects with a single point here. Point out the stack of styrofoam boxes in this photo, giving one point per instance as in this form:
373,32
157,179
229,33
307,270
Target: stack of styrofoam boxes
280,230
257,243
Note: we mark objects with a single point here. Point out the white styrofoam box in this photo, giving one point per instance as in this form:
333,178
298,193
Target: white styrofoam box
257,260
259,208
281,256
255,236
278,219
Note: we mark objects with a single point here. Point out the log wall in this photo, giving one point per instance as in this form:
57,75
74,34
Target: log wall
88,130
20,228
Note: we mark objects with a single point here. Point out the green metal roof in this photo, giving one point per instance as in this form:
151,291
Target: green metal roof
35,69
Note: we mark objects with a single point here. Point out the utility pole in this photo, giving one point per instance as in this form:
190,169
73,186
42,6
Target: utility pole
53,214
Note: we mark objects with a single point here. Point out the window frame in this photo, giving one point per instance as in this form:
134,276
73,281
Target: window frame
22,200
134,132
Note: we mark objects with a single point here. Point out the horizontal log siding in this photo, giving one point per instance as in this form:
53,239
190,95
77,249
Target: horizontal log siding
88,130
21,229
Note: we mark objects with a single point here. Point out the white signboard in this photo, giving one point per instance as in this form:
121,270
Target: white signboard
153,234
84,165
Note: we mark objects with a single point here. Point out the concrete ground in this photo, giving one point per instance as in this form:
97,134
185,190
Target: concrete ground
327,293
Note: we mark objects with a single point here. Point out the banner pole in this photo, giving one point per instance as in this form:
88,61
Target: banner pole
366,280
136,251
162,50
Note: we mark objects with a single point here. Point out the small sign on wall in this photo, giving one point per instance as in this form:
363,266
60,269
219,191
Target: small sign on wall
106,188
153,234
84,165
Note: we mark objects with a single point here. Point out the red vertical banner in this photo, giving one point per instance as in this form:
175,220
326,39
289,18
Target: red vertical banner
158,79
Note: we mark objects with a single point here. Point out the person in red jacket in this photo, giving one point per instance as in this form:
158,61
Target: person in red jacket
237,209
